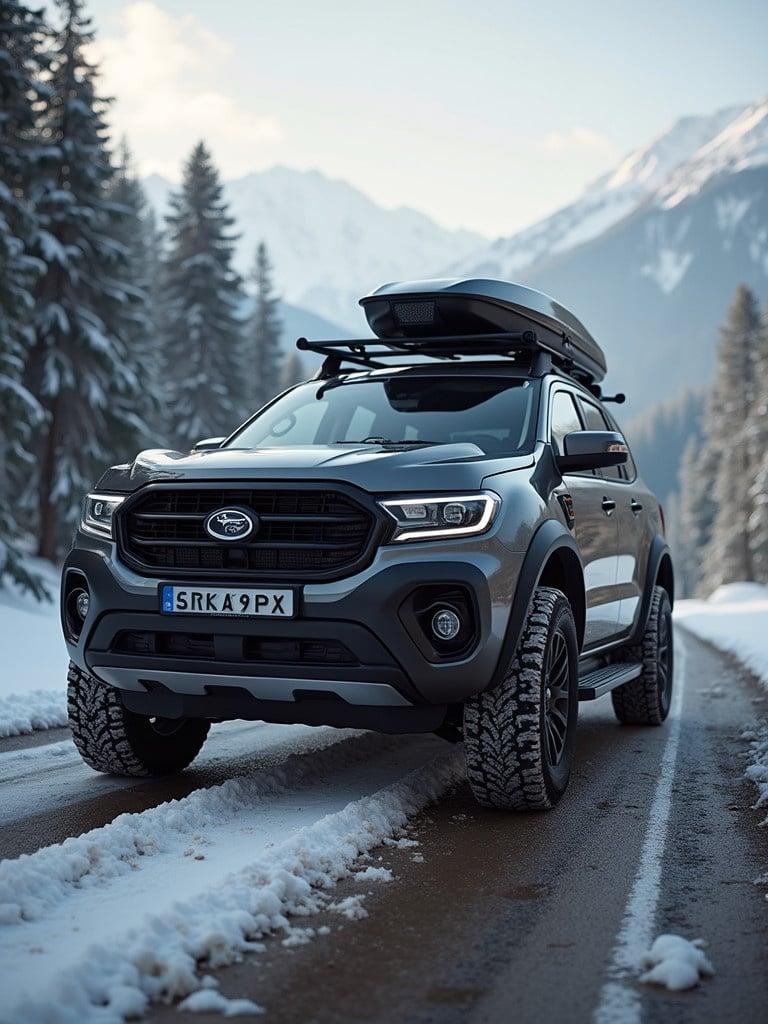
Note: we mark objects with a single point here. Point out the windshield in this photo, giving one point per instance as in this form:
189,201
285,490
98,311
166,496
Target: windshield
494,413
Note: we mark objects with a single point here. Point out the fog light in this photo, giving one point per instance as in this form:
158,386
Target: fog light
446,624
82,604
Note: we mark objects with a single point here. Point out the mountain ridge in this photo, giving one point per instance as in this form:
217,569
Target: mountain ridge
604,202
329,242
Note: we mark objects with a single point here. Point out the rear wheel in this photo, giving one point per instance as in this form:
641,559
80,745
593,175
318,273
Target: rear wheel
118,742
647,699
519,737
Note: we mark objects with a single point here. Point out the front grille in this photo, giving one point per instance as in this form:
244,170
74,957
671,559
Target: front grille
302,533
251,649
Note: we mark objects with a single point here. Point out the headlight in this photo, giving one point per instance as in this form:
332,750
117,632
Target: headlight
434,518
98,512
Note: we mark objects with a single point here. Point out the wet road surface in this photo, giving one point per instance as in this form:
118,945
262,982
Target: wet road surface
494,917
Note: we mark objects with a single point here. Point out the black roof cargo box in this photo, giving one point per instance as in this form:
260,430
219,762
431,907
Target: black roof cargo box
423,309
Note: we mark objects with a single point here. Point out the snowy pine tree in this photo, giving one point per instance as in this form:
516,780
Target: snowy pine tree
757,439
80,368
727,556
135,230
263,356
690,519
202,332
22,32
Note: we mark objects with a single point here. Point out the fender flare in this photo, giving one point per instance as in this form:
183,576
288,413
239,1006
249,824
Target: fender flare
659,553
550,537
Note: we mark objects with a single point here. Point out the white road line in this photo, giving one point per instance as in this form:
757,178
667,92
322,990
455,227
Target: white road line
619,1001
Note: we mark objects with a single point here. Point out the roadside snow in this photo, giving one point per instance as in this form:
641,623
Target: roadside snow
98,927
33,673
757,770
676,963
25,712
734,619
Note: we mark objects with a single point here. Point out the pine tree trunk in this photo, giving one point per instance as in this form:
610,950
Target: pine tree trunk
48,534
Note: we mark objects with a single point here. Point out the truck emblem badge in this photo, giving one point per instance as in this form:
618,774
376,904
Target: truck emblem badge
230,524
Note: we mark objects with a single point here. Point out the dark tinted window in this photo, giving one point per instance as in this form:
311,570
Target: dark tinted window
494,413
564,419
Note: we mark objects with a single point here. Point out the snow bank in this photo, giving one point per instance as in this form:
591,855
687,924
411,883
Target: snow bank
33,672
735,619
676,963
757,770
25,712
32,885
158,961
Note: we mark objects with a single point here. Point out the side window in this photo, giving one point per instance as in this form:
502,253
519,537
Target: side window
564,419
629,469
595,420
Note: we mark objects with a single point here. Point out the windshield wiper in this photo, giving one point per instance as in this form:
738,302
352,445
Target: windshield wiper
387,441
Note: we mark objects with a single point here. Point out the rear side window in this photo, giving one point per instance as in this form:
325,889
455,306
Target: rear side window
564,419
629,469
594,419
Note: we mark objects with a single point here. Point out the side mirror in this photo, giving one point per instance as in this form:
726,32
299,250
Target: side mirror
592,449
209,444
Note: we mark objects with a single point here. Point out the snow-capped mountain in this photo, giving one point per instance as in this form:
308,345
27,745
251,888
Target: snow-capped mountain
655,288
329,242
743,143
604,203
651,254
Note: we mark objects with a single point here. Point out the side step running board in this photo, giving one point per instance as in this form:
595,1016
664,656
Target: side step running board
601,680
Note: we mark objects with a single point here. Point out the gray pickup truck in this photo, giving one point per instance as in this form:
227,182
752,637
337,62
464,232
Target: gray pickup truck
442,531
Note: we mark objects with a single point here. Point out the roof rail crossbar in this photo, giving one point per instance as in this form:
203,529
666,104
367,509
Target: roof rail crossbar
368,352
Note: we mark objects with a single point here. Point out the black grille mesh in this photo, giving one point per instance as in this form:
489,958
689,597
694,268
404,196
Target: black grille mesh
301,533
202,646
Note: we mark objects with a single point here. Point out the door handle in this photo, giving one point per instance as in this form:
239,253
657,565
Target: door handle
636,506
608,505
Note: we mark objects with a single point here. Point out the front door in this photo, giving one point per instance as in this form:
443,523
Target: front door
622,485
595,527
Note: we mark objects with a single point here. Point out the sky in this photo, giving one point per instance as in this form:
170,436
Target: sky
486,115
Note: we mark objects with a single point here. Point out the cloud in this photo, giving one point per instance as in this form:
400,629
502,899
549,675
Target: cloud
165,73
578,139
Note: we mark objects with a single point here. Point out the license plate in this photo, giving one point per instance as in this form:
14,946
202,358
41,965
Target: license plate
184,600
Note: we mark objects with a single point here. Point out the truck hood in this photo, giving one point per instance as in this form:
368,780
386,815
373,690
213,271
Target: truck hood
373,468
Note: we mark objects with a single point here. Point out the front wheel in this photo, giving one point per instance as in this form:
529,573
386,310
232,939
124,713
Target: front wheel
647,699
519,736
118,742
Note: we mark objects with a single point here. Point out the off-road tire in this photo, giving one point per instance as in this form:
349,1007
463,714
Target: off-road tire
505,728
646,700
118,742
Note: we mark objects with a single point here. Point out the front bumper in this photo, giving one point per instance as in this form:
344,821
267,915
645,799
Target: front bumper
388,683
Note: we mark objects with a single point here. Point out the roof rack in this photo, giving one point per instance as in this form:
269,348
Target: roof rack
368,352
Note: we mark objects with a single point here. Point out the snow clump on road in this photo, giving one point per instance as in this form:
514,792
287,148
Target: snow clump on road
676,963
208,1000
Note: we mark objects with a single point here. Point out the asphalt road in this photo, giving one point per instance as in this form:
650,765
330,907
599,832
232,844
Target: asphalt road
497,918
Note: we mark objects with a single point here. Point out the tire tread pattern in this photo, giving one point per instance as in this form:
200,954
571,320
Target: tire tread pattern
101,729
503,738
638,702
